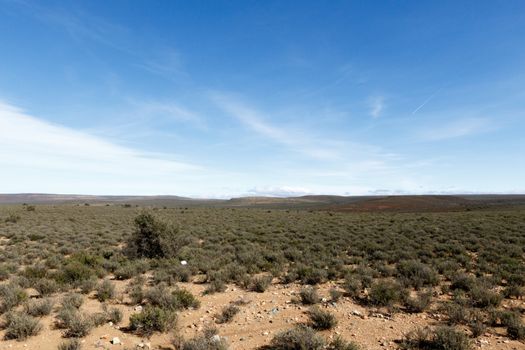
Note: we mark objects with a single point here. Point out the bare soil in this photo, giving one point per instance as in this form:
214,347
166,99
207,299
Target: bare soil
259,320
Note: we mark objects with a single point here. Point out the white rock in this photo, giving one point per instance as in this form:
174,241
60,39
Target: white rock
216,338
183,262
115,341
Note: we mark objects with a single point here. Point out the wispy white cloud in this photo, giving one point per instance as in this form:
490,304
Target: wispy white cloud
278,191
30,147
459,128
348,158
80,26
376,105
86,28
256,121
164,62
170,110
251,118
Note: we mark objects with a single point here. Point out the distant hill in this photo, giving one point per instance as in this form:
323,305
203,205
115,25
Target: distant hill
430,203
408,203
38,198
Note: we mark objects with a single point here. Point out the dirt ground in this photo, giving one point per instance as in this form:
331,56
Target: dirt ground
259,320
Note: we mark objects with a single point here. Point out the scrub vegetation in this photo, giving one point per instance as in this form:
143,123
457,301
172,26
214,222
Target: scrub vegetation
465,264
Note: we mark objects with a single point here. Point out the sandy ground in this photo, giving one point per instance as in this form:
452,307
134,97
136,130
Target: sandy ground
258,321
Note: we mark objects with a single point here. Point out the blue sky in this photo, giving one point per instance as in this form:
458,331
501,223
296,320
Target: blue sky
220,99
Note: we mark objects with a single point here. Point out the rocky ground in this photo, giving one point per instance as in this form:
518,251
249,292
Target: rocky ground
262,315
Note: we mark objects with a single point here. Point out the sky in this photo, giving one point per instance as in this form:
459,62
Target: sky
221,99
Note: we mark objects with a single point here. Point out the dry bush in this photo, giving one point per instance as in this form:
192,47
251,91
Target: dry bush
208,340
152,319
70,344
11,296
106,291
227,314
20,326
39,307
386,293
321,319
261,283
338,343
442,338
300,337
309,296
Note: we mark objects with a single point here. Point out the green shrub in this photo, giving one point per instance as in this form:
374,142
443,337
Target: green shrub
503,318
86,286
311,275
477,327
298,338
126,272
152,319
321,319
4,273
419,303
178,299
215,286
114,315
39,307
352,286
416,274
146,239
105,291
442,338
309,296
78,325
154,238
64,316
514,291
483,298
457,313
34,272
12,218
10,296
227,314
45,286
208,340
136,294
463,282
98,318
71,344
516,329
449,338
72,300
261,283
185,300
338,343
335,294
21,326
74,273
385,293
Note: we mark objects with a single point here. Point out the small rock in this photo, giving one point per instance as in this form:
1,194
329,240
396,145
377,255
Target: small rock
115,341
216,338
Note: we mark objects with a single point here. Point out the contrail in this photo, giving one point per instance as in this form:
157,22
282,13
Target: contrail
426,101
